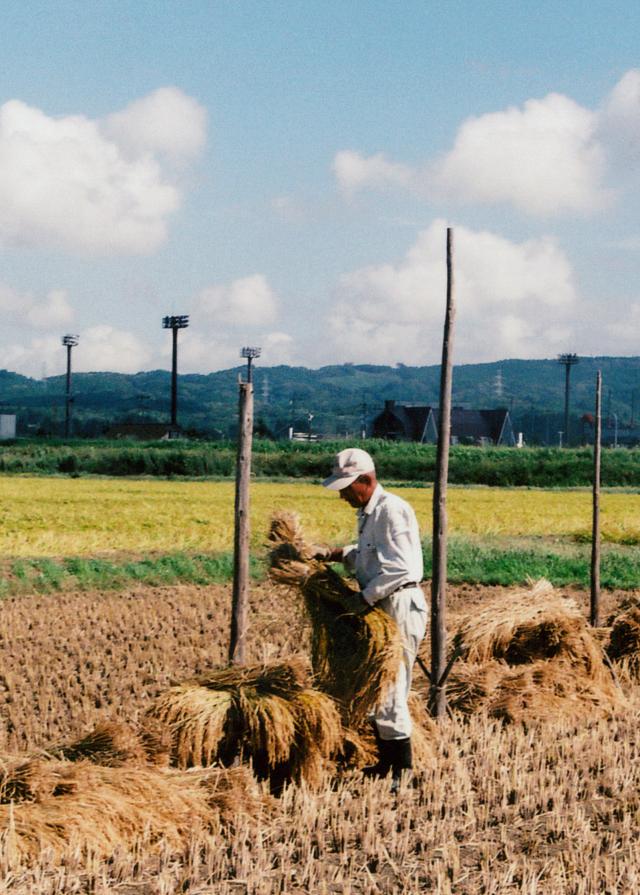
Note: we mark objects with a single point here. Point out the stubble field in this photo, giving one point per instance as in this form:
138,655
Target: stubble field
546,808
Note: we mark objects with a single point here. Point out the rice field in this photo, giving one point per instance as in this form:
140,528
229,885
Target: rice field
47,517
546,809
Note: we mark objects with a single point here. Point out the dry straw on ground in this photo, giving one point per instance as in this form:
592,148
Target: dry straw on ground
356,650
268,714
57,806
117,743
530,655
624,639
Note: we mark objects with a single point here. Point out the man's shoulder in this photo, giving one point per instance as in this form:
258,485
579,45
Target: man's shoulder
391,503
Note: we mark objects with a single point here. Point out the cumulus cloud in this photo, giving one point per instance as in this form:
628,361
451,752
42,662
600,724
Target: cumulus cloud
167,122
544,158
23,308
202,352
246,301
514,300
354,171
548,157
619,118
100,187
99,348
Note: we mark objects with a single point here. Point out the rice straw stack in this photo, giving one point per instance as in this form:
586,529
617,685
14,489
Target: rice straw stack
530,655
356,650
624,640
268,714
59,807
116,744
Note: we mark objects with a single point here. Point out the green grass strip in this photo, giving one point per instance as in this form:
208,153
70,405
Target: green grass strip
477,563
469,562
80,573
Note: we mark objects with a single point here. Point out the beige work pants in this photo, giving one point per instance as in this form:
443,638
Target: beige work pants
409,608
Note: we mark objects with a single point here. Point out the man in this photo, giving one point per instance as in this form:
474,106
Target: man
387,562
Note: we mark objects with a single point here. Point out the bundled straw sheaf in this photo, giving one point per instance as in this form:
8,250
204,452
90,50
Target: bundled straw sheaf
61,806
268,714
531,655
356,650
117,743
624,640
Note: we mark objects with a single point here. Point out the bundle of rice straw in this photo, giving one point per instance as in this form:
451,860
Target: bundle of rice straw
624,640
61,806
531,655
356,650
116,744
264,713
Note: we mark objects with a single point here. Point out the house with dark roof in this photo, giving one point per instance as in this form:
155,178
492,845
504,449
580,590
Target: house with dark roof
419,422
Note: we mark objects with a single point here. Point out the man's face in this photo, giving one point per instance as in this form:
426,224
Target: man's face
357,494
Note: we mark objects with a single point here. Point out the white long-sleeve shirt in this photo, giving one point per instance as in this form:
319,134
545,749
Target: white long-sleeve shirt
389,552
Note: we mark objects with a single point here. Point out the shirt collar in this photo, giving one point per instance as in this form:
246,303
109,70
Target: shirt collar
373,501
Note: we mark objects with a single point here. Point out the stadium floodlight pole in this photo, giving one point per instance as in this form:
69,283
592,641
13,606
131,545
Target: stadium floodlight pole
69,341
250,354
240,593
567,361
174,323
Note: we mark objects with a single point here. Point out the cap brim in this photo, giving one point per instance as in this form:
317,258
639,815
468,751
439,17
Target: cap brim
339,482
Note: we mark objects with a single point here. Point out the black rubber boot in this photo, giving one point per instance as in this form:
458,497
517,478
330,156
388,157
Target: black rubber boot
382,767
401,760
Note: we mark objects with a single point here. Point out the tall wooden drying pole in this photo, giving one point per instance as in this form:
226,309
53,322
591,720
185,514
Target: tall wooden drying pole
595,531
240,600
438,699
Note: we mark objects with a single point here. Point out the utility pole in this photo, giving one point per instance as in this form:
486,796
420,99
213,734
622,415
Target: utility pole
567,361
174,323
69,342
240,596
595,529
438,693
363,418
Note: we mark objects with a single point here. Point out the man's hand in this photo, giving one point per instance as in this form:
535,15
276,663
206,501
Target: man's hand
326,554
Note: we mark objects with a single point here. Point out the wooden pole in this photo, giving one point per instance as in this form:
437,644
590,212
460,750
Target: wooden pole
595,533
438,699
240,599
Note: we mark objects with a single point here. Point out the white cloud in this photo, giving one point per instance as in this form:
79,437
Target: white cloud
619,122
248,301
514,300
100,348
23,308
202,352
548,157
55,310
354,171
167,122
68,183
544,158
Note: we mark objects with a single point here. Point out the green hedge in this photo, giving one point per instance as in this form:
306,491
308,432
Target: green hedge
533,467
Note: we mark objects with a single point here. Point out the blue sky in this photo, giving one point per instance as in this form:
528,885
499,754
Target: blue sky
285,172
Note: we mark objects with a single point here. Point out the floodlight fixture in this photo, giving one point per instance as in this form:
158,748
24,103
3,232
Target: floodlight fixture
177,321
70,341
250,353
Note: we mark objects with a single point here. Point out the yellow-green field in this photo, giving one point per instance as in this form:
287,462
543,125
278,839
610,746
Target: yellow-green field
54,517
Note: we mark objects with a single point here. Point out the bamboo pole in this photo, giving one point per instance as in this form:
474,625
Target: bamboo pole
438,699
595,533
240,599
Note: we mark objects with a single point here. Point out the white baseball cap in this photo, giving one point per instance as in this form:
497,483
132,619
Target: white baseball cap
348,465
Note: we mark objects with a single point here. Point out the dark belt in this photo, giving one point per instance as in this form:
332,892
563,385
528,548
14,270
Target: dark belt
406,585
